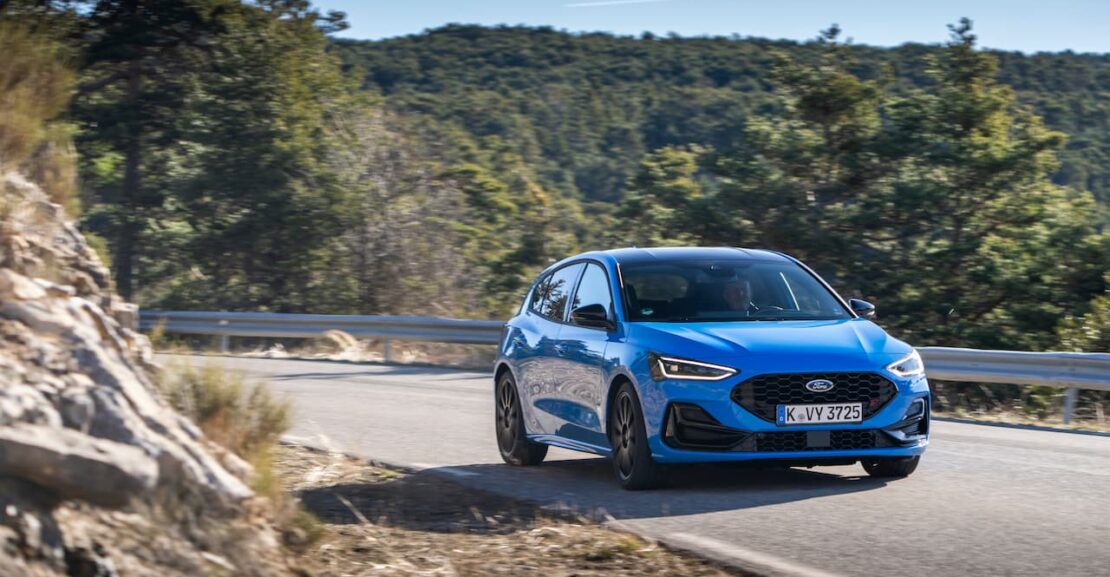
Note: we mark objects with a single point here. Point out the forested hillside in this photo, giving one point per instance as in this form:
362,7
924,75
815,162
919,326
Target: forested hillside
231,156
583,109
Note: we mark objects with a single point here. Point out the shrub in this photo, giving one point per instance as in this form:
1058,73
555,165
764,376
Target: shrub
247,420
35,87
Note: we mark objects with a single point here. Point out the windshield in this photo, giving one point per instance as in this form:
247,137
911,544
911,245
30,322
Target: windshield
726,291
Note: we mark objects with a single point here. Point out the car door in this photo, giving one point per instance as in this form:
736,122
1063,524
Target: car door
540,375
580,349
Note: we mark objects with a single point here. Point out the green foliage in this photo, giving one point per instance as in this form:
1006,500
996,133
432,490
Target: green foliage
1089,332
936,201
204,150
262,208
35,85
665,203
583,109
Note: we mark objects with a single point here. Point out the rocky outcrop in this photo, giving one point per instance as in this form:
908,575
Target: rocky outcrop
81,421
67,363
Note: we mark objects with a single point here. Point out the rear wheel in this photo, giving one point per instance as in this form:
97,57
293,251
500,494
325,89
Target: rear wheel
512,438
632,461
896,467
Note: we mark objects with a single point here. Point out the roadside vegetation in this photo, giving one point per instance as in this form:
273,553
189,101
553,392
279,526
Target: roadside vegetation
246,420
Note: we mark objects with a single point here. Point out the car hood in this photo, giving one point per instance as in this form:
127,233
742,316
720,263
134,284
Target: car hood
844,338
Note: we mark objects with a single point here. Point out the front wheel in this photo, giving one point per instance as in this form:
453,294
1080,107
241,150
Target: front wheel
512,438
632,461
896,467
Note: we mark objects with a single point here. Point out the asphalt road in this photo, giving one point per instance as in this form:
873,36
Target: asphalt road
984,501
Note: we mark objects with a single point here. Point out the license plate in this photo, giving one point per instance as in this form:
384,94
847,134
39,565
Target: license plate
825,413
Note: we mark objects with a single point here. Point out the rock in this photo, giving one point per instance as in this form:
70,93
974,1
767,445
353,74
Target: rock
89,562
219,561
76,466
55,289
86,439
126,314
16,286
39,317
25,404
77,408
25,512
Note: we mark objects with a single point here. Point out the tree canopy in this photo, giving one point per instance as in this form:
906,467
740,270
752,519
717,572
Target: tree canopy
232,156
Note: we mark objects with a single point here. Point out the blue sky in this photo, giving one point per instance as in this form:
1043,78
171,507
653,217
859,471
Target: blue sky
1025,25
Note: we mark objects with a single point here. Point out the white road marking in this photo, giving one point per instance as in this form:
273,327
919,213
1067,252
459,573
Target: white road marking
456,472
746,559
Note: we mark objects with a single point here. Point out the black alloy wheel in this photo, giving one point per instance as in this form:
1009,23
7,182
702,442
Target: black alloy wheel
632,461
512,438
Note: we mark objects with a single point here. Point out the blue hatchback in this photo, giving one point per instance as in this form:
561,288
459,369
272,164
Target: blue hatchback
682,355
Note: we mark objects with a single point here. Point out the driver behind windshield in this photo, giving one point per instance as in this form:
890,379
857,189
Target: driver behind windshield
737,294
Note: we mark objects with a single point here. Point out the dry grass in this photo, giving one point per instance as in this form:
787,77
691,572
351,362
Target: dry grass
379,521
35,87
248,421
245,419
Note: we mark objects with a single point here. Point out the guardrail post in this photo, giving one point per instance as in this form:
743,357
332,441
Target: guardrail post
387,351
1070,395
224,339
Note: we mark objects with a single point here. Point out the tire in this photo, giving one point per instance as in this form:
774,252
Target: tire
891,467
632,462
512,437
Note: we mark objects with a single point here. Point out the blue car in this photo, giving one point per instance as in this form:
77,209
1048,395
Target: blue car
662,356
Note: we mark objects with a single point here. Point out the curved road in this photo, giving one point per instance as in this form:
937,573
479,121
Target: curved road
985,500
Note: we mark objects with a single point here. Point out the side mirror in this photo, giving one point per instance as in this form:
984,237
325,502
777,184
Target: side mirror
862,308
593,315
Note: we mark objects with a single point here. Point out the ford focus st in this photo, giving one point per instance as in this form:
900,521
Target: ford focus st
682,355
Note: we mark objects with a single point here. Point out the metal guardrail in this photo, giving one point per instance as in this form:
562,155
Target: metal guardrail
278,325
1066,370
1071,371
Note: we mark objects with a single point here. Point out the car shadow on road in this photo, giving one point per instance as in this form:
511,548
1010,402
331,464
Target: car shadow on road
587,487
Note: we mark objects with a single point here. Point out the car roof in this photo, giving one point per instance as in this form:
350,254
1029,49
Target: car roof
673,253
636,255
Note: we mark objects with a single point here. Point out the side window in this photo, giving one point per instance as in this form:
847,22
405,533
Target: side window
593,289
540,291
557,293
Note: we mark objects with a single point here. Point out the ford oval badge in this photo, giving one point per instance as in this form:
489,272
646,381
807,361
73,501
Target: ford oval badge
819,385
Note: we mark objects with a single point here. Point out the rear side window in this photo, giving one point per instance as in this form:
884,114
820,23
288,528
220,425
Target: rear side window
554,291
540,291
593,289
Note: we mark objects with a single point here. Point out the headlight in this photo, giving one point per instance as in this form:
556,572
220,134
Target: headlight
907,366
671,368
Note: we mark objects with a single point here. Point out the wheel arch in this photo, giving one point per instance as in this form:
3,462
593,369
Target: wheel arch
615,384
502,368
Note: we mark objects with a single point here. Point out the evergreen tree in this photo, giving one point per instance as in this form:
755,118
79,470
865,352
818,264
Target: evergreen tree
938,200
141,58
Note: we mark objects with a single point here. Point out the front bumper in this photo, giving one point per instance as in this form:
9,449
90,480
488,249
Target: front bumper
698,422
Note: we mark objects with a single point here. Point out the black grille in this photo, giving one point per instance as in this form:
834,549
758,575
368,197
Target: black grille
837,440
761,394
